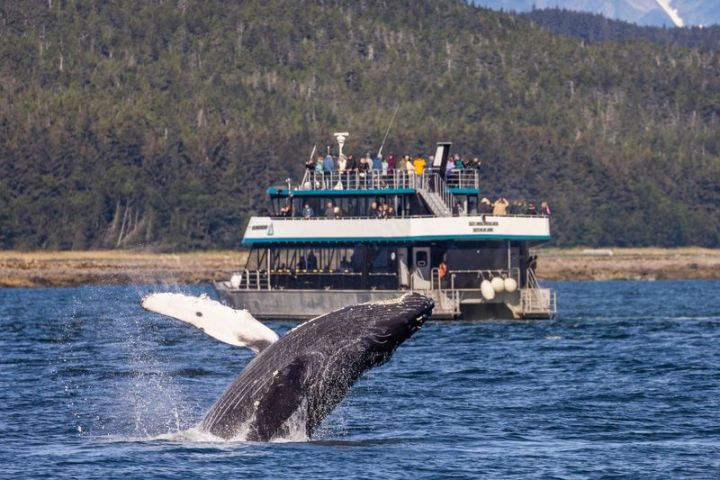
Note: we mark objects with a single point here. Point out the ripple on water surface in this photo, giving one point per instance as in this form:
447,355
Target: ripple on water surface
625,382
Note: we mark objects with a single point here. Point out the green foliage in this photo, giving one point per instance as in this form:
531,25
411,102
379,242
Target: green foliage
162,122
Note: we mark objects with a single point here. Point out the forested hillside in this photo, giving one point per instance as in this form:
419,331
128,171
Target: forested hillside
596,28
161,122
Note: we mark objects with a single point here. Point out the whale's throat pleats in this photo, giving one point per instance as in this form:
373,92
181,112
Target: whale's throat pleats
283,398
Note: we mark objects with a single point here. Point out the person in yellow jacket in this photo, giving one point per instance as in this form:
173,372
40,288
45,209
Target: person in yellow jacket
419,164
500,207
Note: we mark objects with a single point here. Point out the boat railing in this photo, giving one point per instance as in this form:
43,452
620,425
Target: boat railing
357,180
328,279
536,300
250,280
532,281
379,180
465,178
435,183
459,279
355,217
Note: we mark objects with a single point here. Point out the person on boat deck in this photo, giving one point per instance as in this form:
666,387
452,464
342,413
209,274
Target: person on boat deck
442,271
318,171
459,209
522,207
311,261
373,210
342,163
302,264
310,165
345,265
449,168
377,162
382,211
383,165
459,164
532,263
286,210
351,164
363,168
500,207
545,209
329,210
532,209
419,165
328,162
485,206
337,212
390,211
409,167
391,162
308,212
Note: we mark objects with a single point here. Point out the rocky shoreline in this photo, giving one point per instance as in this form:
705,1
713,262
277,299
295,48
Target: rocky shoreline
628,264
65,269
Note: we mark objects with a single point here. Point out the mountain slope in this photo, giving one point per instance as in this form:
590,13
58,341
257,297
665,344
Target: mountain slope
596,28
162,122
643,12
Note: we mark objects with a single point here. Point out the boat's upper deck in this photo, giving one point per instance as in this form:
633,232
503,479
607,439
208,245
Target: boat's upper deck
373,182
396,206
298,230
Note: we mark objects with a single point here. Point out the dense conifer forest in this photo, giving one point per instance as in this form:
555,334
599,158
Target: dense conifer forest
161,122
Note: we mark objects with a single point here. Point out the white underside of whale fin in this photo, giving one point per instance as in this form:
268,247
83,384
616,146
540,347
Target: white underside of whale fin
235,327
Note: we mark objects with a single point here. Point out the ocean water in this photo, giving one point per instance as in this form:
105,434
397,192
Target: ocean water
625,383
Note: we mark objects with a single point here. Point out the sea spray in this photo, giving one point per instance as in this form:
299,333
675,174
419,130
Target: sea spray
119,347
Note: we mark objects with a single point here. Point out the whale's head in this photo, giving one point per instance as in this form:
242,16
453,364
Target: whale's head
398,318
385,325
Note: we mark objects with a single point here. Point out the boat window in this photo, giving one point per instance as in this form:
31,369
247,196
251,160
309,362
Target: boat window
421,259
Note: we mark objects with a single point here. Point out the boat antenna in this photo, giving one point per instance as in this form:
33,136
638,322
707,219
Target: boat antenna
312,154
392,120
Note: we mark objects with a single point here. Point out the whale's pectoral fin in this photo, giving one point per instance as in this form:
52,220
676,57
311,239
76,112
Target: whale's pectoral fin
236,327
283,398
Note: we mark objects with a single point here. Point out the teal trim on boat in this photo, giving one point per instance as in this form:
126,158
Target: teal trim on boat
464,191
260,241
284,192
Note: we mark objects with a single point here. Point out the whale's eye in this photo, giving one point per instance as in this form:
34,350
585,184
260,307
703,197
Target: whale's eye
199,314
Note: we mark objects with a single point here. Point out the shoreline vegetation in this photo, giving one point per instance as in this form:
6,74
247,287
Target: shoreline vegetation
120,267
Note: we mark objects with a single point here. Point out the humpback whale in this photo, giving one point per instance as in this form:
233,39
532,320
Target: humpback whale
297,380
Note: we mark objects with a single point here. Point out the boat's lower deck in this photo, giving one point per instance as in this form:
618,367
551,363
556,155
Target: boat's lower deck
449,304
